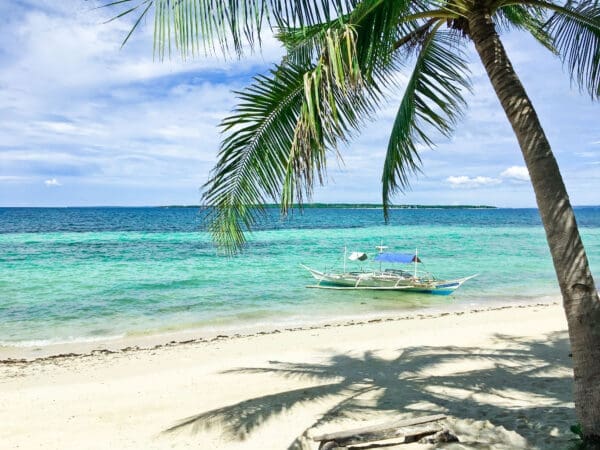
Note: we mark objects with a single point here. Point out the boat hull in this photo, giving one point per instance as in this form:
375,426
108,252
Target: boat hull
384,281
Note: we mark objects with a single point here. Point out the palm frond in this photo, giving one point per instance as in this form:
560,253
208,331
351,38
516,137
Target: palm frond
132,7
432,100
335,99
252,160
575,30
226,24
357,59
527,18
303,45
380,30
278,136
285,124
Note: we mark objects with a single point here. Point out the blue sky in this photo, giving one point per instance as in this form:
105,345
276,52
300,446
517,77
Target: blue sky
83,122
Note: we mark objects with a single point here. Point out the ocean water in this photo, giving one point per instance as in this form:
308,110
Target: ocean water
83,274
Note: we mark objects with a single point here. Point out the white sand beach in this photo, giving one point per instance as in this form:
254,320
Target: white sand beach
502,376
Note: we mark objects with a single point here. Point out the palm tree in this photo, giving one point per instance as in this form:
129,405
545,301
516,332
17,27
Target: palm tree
341,59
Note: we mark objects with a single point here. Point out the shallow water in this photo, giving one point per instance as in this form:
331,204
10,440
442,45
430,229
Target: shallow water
80,274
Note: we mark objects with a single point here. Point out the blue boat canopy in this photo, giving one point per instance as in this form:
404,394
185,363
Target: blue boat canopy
404,258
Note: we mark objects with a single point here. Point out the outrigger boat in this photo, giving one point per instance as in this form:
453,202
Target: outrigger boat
386,279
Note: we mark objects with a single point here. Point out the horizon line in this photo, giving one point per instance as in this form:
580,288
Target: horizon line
356,205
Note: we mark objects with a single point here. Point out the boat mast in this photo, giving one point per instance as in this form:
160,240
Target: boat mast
381,248
416,259
345,251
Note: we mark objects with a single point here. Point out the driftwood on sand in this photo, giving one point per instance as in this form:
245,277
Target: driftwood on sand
411,430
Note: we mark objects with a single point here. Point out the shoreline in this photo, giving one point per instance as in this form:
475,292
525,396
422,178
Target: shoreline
502,376
154,341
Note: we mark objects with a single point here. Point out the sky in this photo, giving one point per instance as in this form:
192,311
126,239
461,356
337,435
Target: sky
84,122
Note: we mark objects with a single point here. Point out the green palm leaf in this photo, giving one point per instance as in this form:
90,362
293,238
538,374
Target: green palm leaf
527,18
432,100
379,31
337,100
193,24
285,124
575,29
355,61
252,161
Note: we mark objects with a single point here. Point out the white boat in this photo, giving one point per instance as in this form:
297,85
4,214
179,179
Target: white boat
386,279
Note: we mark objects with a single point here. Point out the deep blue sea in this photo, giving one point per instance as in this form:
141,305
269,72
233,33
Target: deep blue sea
84,274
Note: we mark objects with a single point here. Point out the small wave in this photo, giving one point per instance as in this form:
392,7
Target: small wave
60,341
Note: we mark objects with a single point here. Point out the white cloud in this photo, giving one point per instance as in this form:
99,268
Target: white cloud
472,182
52,182
11,178
516,173
586,154
60,127
75,106
74,51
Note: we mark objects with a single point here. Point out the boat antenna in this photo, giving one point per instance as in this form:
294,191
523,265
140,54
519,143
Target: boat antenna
381,248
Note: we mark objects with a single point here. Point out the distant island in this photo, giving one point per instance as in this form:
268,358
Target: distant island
358,206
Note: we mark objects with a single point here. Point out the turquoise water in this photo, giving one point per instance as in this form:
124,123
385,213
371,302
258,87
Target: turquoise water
96,273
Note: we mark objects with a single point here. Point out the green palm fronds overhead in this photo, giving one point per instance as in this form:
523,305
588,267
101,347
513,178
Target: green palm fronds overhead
342,59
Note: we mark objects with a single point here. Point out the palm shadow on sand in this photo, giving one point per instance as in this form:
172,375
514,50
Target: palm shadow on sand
417,383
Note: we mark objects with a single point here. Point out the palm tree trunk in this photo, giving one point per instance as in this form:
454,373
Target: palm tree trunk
580,297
